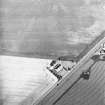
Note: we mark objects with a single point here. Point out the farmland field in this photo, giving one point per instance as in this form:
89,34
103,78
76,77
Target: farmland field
49,28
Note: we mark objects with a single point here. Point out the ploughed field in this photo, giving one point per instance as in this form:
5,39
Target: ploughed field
22,77
50,28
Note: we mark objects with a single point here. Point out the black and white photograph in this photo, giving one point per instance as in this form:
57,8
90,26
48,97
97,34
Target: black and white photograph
52,52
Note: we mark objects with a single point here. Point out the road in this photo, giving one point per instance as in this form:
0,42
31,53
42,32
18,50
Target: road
21,77
89,92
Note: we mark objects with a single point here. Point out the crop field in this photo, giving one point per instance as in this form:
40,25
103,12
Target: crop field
42,29
21,77
50,28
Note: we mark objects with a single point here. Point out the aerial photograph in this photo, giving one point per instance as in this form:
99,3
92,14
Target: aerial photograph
52,52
